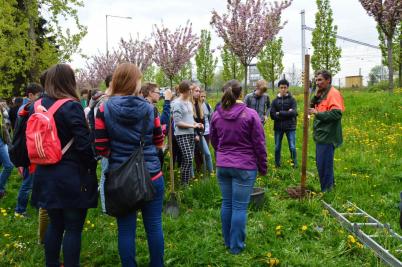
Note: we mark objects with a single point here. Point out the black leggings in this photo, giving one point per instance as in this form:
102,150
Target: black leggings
67,222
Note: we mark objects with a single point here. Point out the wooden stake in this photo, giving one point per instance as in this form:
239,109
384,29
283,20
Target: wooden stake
305,122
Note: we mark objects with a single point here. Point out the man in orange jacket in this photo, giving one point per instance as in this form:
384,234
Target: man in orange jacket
327,106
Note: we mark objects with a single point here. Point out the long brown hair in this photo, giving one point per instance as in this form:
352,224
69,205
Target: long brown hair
60,82
126,80
231,92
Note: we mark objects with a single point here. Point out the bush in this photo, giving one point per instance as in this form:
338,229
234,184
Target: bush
380,86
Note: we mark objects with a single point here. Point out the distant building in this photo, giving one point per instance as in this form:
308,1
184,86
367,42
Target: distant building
354,81
253,76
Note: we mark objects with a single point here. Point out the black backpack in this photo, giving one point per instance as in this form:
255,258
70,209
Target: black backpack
18,150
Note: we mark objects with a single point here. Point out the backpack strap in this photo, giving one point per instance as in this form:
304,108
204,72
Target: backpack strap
56,105
67,146
37,104
144,126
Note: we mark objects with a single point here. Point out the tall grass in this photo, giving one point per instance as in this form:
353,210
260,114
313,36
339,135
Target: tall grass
286,232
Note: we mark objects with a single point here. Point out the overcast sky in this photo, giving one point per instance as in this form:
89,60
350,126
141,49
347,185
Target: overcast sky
352,20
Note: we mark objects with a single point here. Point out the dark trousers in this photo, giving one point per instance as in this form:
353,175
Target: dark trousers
198,157
177,157
291,136
324,156
65,227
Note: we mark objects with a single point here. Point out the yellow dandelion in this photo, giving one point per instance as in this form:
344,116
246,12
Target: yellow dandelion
92,225
269,254
88,222
278,227
304,228
6,235
273,262
351,239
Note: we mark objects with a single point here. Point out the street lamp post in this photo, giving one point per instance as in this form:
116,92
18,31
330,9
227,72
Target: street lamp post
107,36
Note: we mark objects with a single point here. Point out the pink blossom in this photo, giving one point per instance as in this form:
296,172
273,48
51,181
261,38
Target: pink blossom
246,27
172,50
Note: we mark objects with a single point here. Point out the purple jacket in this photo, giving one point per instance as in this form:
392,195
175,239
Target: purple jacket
238,139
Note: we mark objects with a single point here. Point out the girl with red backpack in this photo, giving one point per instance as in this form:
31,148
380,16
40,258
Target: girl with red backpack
65,179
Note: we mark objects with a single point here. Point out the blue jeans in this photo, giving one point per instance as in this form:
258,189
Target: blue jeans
152,219
65,227
104,167
236,186
291,136
324,157
206,154
7,166
25,190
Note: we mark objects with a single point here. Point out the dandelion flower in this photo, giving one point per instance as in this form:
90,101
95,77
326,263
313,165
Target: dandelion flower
304,228
6,235
278,227
351,239
269,254
92,225
88,222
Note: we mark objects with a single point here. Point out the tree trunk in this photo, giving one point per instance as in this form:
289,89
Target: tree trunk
34,69
400,63
205,81
390,65
245,79
273,75
234,70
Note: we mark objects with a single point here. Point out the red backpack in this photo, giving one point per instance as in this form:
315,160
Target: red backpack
43,143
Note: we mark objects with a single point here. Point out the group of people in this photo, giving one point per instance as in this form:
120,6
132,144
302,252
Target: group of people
109,126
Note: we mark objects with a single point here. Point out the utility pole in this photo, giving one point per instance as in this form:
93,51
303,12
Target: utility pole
303,36
107,36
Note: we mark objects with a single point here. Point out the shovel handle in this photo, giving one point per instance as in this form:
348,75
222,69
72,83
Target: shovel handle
171,171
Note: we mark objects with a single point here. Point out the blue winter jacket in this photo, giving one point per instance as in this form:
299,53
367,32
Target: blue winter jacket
124,117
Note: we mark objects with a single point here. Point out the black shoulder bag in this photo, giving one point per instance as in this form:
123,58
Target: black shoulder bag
129,186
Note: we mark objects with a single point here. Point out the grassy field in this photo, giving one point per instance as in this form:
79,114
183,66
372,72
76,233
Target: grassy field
284,232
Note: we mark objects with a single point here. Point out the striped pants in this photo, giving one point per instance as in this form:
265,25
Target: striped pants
186,145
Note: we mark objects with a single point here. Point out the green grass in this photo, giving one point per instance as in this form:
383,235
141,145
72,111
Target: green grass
367,172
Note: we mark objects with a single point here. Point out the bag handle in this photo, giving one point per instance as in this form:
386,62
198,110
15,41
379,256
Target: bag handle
144,126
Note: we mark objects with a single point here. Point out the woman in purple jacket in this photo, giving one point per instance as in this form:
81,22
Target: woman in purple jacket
238,139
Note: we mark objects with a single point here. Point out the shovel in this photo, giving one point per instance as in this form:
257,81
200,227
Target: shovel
172,206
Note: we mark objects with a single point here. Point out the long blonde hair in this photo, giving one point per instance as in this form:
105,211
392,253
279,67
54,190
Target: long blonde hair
198,103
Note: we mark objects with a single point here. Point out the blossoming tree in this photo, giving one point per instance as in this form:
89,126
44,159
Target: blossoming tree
172,50
387,14
136,51
246,27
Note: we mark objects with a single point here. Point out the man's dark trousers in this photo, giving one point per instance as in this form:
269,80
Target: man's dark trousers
324,156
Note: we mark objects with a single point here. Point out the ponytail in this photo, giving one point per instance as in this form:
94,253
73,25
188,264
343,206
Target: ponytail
231,92
228,98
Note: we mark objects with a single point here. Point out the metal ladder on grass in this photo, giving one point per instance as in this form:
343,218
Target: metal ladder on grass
368,240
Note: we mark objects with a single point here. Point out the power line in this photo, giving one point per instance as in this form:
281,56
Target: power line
346,39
